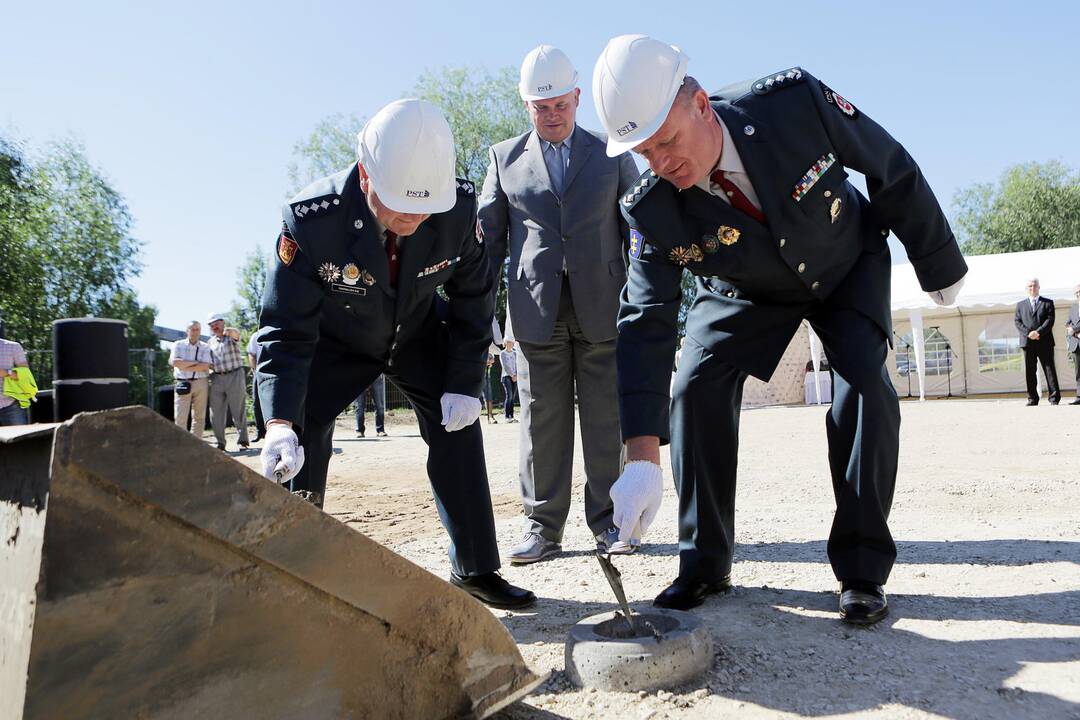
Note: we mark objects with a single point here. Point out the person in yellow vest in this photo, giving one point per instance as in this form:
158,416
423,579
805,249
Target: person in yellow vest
12,364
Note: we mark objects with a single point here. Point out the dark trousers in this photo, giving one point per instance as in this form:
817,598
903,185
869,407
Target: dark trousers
1041,352
455,462
1076,367
862,427
509,390
256,408
549,375
14,415
377,391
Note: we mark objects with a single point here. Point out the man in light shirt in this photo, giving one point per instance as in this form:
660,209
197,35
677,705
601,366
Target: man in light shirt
190,361
228,386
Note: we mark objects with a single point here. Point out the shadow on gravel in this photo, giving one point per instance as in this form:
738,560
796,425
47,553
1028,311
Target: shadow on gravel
786,650
955,657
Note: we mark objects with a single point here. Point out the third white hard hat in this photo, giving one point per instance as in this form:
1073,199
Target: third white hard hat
546,72
407,150
635,82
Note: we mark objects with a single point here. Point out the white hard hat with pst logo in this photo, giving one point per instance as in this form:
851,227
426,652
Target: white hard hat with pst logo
407,150
546,72
635,82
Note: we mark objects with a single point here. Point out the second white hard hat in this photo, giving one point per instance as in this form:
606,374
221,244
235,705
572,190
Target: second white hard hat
634,85
407,150
546,72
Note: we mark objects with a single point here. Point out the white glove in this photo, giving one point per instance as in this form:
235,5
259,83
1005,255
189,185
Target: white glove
637,495
282,457
459,411
947,296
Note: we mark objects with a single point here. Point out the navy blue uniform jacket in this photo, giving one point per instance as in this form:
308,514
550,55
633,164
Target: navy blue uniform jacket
823,242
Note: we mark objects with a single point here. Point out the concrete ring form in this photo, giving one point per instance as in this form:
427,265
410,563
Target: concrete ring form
679,651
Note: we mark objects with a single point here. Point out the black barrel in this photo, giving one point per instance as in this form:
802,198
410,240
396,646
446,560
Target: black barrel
76,396
90,348
42,410
165,397
90,365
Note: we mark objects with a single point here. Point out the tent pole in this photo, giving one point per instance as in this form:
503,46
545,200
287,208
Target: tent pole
963,349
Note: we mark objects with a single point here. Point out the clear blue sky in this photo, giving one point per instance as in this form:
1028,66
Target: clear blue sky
192,109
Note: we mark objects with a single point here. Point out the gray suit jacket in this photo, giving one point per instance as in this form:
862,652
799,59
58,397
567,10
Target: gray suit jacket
520,213
1072,341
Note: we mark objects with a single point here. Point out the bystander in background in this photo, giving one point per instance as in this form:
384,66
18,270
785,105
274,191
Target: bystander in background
12,358
228,386
508,360
190,361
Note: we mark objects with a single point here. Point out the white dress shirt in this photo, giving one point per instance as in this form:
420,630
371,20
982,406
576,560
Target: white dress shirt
733,168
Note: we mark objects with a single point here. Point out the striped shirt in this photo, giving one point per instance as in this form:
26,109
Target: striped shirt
11,355
225,354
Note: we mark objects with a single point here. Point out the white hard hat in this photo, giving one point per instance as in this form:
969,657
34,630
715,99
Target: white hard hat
635,82
546,72
407,150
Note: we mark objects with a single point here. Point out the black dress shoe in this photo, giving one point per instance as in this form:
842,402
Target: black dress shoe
862,603
491,589
1075,402
684,593
1032,402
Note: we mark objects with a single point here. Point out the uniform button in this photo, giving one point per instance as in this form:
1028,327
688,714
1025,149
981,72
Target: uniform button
885,232
348,306
397,329
731,293
827,193
802,267
393,346
815,285
390,362
783,242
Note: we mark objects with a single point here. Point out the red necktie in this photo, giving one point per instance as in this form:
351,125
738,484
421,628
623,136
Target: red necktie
392,256
739,201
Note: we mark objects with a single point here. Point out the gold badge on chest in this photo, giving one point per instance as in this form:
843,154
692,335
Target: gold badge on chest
727,235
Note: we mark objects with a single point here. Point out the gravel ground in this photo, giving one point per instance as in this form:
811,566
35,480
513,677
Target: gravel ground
985,596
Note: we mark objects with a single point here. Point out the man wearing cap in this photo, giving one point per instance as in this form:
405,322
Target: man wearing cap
747,190
551,201
352,296
228,381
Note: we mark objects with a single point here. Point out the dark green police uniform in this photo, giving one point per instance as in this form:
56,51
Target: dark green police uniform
331,323
820,255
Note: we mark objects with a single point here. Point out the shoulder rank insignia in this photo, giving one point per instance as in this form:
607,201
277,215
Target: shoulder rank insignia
838,102
305,209
287,247
465,187
637,244
784,78
640,188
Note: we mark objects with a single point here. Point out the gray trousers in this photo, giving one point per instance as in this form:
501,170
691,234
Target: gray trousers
547,377
228,391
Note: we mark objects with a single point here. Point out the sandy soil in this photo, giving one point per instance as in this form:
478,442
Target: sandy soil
985,596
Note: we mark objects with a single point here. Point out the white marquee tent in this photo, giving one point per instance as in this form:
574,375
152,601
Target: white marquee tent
972,347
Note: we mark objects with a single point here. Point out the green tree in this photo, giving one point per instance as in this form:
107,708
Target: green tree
250,281
482,108
1033,206
330,147
68,251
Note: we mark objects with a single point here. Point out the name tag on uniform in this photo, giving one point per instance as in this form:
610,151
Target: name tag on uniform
348,289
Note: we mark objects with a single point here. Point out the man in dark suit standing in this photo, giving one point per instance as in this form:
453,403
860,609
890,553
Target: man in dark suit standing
1034,320
1072,340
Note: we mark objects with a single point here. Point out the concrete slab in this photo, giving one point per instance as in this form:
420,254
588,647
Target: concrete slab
176,583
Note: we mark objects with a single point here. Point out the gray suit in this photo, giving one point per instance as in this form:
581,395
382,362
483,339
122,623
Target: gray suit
564,322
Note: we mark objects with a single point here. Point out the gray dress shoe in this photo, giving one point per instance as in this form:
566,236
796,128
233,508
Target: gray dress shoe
608,542
533,548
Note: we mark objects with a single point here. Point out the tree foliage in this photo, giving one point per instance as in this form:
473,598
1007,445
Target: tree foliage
330,147
67,249
1033,206
482,108
250,281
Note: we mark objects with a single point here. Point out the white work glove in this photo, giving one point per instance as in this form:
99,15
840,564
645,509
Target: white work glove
637,495
282,457
459,411
947,296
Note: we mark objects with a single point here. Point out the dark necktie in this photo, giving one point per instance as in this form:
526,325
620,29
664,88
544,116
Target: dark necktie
739,201
392,256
